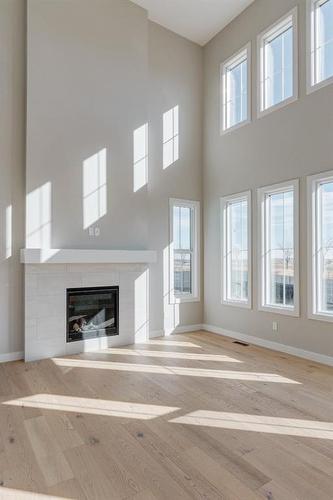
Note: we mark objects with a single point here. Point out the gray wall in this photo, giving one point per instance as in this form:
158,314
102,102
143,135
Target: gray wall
12,157
289,143
96,72
175,78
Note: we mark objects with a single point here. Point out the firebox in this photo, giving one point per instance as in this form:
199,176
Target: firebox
92,312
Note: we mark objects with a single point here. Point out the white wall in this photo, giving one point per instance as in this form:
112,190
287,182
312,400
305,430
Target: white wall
12,157
292,142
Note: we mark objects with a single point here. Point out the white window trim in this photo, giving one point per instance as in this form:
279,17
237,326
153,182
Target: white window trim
195,295
293,15
261,192
225,200
312,184
311,86
244,51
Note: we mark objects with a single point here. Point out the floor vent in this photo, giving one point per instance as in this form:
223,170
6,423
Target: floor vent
239,342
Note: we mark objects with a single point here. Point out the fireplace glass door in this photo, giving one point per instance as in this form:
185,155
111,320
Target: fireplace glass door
92,312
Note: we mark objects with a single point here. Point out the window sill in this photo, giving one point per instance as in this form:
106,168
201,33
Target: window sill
185,299
320,316
280,310
320,85
235,303
235,127
276,107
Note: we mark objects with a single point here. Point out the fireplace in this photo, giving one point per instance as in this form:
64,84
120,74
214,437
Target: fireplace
92,312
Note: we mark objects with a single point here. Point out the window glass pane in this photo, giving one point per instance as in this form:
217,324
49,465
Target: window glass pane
324,42
236,94
326,247
280,248
176,227
237,257
278,78
182,272
185,228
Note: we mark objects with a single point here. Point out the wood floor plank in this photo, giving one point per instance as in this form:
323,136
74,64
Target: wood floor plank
75,452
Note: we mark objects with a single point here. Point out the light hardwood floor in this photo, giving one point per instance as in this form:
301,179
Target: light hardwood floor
191,416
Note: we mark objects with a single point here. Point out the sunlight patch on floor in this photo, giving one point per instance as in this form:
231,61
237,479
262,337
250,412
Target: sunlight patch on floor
174,355
173,370
257,423
92,406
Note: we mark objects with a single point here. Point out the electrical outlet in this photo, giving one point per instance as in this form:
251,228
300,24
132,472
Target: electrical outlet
275,326
97,231
91,231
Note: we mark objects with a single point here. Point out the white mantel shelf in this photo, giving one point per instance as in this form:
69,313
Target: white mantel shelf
72,256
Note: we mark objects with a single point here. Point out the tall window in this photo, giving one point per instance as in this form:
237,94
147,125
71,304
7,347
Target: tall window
236,93
184,250
278,216
236,249
321,245
320,41
277,55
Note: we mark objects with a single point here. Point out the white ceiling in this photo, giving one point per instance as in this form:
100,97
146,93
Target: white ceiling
197,20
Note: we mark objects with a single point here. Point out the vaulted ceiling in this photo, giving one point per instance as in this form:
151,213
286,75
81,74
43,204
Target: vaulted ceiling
197,20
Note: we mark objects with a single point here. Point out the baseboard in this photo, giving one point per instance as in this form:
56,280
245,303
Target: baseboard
268,344
11,356
187,329
153,334
178,329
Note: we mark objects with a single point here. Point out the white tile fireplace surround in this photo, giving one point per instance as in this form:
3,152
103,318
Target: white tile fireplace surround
48,274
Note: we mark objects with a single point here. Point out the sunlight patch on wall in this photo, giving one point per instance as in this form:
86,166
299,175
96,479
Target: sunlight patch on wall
170,137
9,231
92,406
94,188
141,306
140,157
257,423
38,219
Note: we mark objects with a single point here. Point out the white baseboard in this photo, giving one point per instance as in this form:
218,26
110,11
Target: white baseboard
268,344
153,334
178,329
11,356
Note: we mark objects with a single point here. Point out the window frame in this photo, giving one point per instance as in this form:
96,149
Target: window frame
311,62
313,181
175,298
291,16
224,202
236,58
262,232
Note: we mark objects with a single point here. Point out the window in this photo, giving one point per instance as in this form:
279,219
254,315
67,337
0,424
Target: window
320,188
277,56
184,250
236,90
236,249
170,137
320,43
279,242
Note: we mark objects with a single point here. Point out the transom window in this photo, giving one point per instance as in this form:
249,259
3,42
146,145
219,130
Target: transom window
235,74
278,207
320,25
184,249
277,52
236,249
321,245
